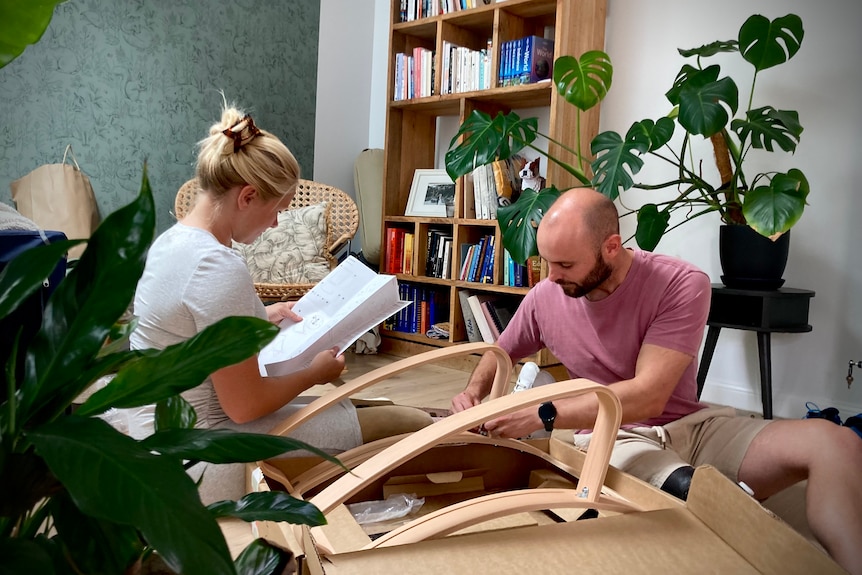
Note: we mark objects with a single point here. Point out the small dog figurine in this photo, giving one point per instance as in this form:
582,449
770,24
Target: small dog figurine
530,177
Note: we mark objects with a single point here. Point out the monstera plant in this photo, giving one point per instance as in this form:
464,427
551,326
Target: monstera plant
80,496
704,103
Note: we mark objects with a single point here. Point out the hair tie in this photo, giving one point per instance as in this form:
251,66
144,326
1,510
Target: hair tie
236,135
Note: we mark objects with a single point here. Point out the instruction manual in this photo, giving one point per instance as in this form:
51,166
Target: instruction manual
348,302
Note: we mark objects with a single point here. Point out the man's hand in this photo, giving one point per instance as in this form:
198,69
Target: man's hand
514,425
282,310
465,400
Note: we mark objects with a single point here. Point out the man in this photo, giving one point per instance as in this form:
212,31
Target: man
634,320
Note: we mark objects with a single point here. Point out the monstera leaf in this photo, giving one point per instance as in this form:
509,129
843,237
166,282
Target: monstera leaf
519,222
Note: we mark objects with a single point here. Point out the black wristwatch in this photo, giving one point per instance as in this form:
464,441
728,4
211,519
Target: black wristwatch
548,413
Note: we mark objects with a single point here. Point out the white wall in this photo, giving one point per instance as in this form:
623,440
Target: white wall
822,82
351,88
344,91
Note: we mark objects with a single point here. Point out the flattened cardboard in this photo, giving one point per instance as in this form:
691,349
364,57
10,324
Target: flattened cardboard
719,530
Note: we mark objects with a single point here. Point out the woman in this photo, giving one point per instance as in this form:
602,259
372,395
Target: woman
193,278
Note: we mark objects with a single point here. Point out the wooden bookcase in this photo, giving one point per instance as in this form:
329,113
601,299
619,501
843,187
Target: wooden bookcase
412,126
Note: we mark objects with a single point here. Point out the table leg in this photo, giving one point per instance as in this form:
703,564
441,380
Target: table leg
706,357
765,352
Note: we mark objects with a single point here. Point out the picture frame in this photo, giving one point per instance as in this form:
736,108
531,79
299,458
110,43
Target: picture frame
430,194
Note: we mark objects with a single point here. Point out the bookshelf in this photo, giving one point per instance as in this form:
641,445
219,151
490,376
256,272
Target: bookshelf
413,142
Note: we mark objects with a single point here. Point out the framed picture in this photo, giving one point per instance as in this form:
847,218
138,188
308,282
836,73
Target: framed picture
432,191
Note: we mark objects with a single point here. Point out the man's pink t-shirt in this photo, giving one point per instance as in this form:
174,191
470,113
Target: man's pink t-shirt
663,301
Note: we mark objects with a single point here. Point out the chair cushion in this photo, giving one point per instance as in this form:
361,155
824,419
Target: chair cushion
293,252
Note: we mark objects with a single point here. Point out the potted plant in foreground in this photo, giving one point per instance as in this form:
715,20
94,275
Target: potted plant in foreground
704,104
80,496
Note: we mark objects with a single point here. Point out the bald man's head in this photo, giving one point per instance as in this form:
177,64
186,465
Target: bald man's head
583,213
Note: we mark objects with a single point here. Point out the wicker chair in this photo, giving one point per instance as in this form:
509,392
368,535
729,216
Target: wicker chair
342,223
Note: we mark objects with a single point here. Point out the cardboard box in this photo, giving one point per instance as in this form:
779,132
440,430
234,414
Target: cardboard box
526,514
720,529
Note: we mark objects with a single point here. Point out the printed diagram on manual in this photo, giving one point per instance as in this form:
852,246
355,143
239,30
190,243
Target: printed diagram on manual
347,303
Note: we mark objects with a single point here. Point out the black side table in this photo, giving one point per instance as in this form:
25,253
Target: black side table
783,310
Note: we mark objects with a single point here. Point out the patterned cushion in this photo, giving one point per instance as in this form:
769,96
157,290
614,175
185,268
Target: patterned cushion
293,252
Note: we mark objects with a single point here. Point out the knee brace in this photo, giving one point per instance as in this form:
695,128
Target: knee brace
678,482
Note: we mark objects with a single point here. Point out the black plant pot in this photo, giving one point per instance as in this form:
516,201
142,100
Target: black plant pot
750,260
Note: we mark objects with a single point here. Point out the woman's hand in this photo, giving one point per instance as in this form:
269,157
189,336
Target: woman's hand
282,310
327,365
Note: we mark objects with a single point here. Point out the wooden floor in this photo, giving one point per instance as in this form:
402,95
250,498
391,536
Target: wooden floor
425,386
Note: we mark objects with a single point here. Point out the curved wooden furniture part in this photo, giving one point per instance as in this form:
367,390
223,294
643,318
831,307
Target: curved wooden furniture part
460,515
501,380
590,480
325,471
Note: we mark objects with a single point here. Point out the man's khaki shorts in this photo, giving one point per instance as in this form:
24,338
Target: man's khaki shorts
715,435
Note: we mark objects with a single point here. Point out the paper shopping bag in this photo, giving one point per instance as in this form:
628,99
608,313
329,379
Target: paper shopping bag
59,197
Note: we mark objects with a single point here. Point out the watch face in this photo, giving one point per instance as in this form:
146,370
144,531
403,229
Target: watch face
547,413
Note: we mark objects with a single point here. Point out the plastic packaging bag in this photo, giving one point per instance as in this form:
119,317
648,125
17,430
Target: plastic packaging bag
393,507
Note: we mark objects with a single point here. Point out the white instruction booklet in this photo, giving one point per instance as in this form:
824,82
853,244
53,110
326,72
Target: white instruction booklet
336,312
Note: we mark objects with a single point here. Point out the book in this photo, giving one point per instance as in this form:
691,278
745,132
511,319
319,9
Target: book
474,261
486,275
407,256
475,302
502,182
536,62
470,326
498,312
534,270
334,315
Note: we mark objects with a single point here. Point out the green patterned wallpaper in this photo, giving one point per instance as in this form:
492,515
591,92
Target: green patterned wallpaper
132,80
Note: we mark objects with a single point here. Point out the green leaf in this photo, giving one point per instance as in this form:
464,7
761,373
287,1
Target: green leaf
649,136
24,557
261,557
270,506
486,140
704,103
616,161
766,44
651,226
775,208
175,413
93,545
224,445
682,77
22,23
767,126
710,49
161,374
111,476
584,82
519,222
84,307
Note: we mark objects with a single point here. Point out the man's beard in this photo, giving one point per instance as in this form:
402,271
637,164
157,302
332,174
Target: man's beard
597,276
